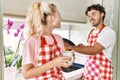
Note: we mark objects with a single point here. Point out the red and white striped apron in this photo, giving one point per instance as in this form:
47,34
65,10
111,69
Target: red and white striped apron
47,53
97,67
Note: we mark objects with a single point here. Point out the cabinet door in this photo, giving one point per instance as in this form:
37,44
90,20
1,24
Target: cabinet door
118,59
1,43
116,52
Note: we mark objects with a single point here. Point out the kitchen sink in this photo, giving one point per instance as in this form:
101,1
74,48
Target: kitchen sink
73,67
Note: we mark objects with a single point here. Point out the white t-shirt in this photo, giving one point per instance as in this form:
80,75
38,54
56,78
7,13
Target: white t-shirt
107,38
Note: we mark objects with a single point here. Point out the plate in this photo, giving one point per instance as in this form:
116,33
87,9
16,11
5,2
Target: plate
68,41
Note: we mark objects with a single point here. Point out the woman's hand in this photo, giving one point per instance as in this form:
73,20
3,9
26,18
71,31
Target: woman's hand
29,71
61,61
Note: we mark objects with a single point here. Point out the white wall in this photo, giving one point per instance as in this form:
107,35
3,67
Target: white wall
89,2
78,34
109,6
116,52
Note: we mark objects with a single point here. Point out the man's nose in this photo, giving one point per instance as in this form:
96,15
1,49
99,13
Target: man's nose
90,18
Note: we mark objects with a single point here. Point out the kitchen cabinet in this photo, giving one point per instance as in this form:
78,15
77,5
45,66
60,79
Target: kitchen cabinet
70,10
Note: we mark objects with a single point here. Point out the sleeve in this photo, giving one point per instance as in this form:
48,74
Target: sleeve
60,42
28,52
107,38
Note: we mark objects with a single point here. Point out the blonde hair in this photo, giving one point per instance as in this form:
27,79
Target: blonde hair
36,16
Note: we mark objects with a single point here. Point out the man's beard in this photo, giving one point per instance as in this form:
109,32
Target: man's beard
96,24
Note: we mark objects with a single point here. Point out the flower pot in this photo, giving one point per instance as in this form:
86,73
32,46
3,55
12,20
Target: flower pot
9,73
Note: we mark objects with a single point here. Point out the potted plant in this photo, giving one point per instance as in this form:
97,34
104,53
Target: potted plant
9,56
13,58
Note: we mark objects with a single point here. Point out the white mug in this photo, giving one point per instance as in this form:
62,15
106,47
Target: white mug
70,54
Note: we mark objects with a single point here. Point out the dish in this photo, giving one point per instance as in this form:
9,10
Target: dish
68,42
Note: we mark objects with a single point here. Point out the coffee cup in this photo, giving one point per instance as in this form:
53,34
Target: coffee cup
69,54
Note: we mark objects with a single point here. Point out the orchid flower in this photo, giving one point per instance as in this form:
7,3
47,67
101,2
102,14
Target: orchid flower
21,26
9,25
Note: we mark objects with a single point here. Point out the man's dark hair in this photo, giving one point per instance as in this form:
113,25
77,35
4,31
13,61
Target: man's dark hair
97,7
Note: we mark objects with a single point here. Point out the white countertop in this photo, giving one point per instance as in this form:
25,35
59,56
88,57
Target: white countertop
73,74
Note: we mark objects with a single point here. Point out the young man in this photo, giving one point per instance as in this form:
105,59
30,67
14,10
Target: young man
101,41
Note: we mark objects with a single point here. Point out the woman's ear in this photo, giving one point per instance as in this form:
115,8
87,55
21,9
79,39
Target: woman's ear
53,20
49,19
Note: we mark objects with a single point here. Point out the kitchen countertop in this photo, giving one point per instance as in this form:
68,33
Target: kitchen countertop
73,75
68,75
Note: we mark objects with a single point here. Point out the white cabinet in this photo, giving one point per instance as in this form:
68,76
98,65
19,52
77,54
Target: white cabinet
71,10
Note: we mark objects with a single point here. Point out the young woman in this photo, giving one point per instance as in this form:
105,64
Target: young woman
42,50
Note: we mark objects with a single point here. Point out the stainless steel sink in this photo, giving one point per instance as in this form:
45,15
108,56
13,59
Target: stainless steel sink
73,67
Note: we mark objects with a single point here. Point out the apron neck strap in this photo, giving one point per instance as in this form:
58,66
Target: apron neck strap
44,42
103,25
